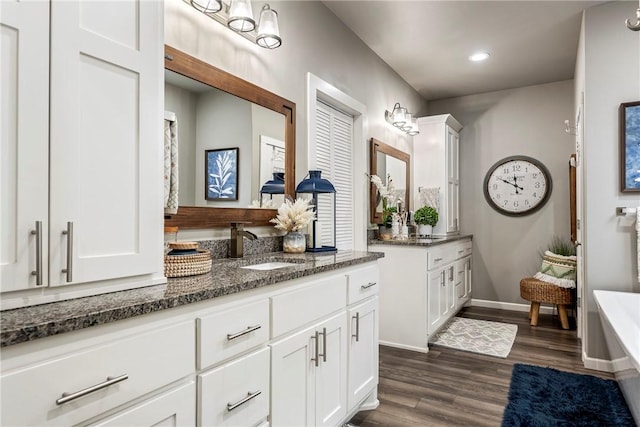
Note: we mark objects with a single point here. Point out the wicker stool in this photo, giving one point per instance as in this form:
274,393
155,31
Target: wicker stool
537,292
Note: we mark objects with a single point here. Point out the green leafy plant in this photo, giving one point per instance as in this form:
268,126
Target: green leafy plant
426,215
387,214
561,246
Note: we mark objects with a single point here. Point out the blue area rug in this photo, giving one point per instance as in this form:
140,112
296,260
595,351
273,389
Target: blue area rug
546,397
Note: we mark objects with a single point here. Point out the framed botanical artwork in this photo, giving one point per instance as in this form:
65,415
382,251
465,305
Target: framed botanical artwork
630,147
221,174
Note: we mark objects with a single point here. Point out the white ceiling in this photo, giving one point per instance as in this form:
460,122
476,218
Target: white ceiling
428,42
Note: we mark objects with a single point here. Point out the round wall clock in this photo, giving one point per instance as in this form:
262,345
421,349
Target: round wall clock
517,185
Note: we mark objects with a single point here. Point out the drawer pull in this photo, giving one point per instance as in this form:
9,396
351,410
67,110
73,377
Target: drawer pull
461,251
368,285
437,260
232,406
316,359
38,271
245,332
68,397
357,334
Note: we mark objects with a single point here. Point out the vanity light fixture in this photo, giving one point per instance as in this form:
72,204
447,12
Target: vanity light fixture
238,16
634,26
402,119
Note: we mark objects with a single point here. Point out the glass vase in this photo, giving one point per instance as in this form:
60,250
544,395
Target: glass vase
294,242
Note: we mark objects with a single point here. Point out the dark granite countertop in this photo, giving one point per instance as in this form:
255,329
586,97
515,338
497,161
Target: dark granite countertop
226,277
420,242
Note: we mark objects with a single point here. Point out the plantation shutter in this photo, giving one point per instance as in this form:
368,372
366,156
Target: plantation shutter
334,157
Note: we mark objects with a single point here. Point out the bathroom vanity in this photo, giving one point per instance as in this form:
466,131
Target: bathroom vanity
423,284
246,344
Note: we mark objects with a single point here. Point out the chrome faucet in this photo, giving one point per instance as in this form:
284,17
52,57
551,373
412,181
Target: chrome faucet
238,233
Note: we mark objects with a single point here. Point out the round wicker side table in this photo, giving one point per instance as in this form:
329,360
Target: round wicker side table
537,292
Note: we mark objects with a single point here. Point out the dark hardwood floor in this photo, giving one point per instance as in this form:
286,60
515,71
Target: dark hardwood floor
447,387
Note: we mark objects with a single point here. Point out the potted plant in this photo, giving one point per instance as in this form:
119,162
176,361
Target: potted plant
559,263
426,217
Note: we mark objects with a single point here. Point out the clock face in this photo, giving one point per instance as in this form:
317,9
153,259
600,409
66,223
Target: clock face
517,185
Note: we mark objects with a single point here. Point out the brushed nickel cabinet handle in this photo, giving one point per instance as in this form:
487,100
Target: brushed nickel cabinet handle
324,344
368,285
232,406
38,271
437,260
442,278
316,359
69,233
68,397
241,333
451,273
357,334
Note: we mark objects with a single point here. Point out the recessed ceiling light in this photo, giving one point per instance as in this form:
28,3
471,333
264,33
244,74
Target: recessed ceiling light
478,56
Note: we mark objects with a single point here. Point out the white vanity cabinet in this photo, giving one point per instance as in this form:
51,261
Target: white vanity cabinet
420,290
83,174
437,153
303,352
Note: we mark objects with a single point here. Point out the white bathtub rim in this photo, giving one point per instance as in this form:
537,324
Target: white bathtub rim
627,337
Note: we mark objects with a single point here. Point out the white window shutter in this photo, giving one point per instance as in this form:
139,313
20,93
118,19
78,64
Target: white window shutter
334,157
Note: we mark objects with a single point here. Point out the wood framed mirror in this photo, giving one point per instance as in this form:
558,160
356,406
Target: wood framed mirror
384,161
204,214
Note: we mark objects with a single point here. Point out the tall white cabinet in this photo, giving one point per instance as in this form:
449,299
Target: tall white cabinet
436,150
81,150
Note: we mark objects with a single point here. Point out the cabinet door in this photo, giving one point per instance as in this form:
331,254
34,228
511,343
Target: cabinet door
467,282
435,295
292,379
331,373
105,141
363,351
453,179
460,279
174,408
24,140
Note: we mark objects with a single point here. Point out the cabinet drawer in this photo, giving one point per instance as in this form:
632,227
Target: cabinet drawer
439,256
294,309
236,393
363,283
176,407
463,249
227,333
148,360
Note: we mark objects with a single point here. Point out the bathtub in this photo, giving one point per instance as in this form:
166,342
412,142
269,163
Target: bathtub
620,317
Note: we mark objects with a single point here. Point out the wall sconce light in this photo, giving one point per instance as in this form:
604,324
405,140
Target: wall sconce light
402,119
238,16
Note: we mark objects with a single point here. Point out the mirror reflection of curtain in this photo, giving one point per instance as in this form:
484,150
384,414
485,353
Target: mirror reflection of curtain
170,163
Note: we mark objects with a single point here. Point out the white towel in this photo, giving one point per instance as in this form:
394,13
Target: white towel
638,239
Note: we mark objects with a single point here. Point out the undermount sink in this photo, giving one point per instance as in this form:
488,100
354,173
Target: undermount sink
270,265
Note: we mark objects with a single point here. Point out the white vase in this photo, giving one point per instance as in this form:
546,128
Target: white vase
424,230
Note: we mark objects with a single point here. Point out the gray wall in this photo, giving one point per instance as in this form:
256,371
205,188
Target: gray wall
527,121
183,103
611,75
315,41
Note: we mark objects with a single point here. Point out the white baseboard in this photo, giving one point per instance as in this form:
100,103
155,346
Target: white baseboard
597,364
404,347
508,306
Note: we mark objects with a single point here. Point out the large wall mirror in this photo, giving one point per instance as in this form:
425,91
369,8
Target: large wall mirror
387,161
223,121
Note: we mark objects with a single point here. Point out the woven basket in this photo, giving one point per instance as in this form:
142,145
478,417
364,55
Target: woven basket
538,291
187,265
